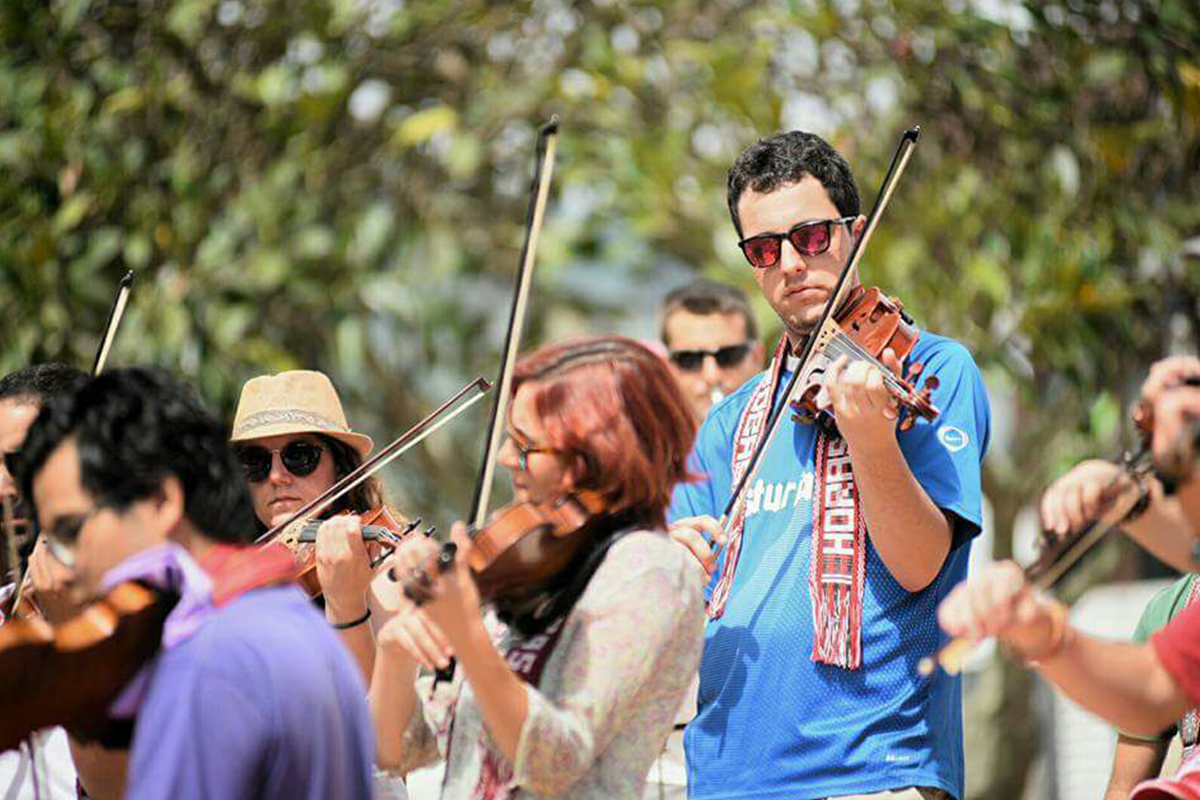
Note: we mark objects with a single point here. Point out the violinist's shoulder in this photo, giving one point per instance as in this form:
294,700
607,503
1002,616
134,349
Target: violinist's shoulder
644,553
938,352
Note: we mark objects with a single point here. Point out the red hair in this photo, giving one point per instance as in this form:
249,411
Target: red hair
612,408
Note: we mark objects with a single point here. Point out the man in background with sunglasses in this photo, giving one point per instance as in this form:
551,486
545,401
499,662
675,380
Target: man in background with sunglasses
824,597
712,341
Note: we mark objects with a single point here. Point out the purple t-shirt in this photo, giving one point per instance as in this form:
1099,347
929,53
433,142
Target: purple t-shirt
262,702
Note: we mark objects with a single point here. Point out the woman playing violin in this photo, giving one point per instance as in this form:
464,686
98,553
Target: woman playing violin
569,684
291,437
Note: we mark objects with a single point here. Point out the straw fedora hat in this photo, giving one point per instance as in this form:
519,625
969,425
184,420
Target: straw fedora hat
300,401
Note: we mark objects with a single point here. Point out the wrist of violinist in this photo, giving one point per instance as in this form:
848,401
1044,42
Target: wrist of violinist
1055,635
346,616
468,635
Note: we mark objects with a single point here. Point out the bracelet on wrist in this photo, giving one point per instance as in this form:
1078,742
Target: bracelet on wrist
341,626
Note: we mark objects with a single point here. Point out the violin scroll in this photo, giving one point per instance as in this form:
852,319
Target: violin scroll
868,323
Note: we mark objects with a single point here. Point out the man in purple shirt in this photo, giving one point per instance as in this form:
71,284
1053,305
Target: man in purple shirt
251,695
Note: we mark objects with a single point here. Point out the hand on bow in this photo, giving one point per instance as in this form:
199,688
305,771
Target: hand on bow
863,408
52,585
1001,603
449,601
690,532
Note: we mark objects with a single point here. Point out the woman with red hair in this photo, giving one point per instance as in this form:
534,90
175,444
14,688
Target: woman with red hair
568,685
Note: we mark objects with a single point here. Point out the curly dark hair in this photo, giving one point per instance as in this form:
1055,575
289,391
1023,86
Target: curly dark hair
364,497
39,382
786,158
133,428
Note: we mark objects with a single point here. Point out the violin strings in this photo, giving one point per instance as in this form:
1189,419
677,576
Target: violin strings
851,347
844,345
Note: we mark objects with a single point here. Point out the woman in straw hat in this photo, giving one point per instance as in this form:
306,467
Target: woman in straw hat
571,686
291,437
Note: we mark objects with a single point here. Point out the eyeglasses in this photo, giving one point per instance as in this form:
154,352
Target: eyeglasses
726,357
524,447
299,457
62,537
810,238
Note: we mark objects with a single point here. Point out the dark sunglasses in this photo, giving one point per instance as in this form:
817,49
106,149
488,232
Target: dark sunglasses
299,458
809,238
728,356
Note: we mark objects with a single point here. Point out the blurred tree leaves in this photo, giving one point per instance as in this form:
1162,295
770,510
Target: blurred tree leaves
341,184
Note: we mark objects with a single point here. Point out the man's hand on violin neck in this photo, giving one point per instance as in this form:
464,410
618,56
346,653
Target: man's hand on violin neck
863,407
1176,446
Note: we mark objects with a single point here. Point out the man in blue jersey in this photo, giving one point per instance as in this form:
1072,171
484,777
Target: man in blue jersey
809,684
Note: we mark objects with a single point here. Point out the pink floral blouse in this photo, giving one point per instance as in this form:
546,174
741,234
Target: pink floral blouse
609,691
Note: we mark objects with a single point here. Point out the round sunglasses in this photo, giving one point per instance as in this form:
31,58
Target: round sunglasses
299,457
810,238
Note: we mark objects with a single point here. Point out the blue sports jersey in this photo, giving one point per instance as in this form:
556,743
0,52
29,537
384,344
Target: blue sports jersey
773,723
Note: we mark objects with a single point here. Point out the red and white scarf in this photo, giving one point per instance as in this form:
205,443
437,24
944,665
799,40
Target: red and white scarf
527,659
839,532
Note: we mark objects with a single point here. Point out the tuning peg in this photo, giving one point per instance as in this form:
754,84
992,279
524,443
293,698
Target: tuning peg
429,532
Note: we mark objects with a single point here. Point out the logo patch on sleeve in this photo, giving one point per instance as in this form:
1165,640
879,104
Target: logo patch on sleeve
953,439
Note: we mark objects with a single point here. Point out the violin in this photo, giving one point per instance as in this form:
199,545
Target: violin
382,529
514,551
868,323
71,673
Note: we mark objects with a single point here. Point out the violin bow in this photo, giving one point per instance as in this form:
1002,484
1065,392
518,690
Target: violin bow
114,322
443,414
908,141
10,560
539,196
115,314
